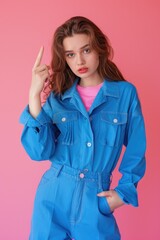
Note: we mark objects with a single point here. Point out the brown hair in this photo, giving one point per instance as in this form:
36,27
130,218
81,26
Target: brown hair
62,77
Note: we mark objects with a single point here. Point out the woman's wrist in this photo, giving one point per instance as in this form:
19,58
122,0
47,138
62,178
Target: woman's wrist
34,104
33,94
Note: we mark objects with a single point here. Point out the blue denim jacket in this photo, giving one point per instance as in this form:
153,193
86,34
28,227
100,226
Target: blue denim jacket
65,132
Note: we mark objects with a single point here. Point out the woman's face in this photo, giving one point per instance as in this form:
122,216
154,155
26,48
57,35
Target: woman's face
80,57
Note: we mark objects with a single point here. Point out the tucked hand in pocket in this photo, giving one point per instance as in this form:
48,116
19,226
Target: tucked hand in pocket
114,201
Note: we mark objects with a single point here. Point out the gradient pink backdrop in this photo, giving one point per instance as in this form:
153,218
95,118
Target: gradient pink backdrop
133,29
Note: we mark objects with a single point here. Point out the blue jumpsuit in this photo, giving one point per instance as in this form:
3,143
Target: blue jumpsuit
84,148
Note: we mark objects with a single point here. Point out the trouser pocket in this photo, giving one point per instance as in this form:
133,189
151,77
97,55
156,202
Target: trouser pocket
103,206
47,177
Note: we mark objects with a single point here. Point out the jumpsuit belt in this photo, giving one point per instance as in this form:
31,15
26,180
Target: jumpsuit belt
83,174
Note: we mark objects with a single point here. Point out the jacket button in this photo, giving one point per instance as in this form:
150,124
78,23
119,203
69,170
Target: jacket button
115,120
81,175
63,119
89,144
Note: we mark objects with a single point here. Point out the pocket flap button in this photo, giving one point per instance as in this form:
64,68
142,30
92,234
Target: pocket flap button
63,119
115,120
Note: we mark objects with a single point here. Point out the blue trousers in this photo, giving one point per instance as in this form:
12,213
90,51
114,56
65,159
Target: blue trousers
67,206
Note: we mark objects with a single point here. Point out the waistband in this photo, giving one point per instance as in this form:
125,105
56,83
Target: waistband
82,173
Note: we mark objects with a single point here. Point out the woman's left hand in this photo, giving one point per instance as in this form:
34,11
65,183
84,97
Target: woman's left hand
113,199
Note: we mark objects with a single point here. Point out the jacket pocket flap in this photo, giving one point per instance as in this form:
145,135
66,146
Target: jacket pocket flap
63,117
114,118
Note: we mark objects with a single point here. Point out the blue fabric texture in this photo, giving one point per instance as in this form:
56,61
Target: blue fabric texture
65,133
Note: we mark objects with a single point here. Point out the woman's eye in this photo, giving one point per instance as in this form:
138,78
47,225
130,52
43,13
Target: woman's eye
87,50
70,55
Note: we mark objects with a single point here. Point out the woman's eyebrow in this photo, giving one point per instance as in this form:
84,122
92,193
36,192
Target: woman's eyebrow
86,45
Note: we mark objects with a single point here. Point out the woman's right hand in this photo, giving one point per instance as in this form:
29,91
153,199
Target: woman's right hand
40,73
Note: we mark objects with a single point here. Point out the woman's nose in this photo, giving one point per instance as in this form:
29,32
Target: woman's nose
80,59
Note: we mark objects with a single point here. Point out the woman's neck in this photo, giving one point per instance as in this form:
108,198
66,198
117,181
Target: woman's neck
88,82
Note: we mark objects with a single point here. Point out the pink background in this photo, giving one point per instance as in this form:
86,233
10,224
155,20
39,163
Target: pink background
133,29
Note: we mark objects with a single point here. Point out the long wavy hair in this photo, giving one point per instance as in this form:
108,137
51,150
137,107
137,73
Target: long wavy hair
62,77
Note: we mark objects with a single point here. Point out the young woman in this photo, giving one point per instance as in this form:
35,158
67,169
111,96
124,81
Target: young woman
89,115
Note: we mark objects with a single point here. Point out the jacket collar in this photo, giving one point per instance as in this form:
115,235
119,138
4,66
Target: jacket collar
109,88
71,91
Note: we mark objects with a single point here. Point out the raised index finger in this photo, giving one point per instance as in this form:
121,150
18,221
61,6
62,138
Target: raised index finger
39,57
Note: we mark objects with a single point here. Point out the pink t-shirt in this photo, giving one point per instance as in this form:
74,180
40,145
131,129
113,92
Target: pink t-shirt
88,94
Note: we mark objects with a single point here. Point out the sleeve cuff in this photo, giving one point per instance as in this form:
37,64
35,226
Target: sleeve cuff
128,194
27,119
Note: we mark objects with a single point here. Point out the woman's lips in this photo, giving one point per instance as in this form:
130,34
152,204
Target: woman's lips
82,70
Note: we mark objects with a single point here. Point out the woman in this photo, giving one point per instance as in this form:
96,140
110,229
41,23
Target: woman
89,115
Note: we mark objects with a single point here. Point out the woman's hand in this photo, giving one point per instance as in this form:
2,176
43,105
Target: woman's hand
40,73
113,199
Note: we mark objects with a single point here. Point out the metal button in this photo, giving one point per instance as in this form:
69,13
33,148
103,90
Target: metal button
115,120
81,175
89,144
63,119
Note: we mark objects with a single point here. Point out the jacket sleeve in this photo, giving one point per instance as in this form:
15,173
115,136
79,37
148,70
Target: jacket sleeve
133,163
38,136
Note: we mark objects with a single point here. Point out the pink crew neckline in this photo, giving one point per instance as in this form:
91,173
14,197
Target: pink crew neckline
88,94
90,90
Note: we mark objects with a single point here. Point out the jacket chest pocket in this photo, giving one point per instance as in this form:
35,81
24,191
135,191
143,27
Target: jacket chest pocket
66,123
112,128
